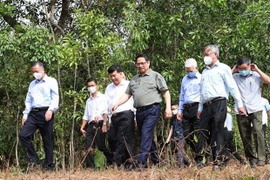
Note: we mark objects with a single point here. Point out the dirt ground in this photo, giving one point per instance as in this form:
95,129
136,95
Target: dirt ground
233,171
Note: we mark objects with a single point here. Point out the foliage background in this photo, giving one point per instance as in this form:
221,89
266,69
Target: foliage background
81,39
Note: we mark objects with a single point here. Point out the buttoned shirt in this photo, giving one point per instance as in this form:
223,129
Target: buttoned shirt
218,82
229,122
189,91
146,89
250,90
113,93
95,106
42,93
266,108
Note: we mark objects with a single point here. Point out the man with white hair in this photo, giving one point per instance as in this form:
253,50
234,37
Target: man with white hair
216,84
188,106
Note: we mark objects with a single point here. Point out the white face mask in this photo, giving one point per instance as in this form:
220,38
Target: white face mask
174,112
92,89
207,60
38,76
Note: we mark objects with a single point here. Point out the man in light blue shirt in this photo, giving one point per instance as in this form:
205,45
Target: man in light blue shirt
216,83
187,112
248,78
41,102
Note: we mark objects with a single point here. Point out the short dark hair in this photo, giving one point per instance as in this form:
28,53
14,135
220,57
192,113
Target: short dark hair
174,103
116,68
143,56
41,64
91,79
243,60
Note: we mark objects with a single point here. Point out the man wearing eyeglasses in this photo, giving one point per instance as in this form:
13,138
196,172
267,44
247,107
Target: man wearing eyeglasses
147,87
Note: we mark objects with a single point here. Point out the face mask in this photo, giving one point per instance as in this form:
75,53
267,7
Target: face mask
37,75
92,89
207,60
191,74
244,73
174,112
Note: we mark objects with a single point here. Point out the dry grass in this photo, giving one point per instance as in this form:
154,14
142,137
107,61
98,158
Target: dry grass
233,171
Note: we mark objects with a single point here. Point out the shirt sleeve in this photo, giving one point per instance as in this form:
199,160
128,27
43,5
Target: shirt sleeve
28,104
161,83
181,98
54,95
86,112
266,105
232,87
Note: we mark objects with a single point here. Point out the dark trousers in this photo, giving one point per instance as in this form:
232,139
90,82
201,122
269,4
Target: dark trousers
112,138
146,122
95,138
229,145
36,120
245,129
212,120
191,127
124,129
180,142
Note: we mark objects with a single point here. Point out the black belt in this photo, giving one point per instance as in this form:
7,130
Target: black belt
121,113
146,107
213,100
190,104
40,109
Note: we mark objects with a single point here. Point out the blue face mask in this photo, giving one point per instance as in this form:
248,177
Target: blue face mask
244,73
191,74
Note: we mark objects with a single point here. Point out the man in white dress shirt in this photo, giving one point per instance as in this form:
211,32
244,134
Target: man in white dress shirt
95,115
122,120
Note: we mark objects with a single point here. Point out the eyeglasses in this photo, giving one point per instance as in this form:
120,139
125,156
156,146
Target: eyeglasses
141,63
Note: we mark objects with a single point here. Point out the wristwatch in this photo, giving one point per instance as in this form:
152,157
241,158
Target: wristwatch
104,124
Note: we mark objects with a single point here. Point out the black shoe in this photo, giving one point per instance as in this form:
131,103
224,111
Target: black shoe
32,167
129,166
141,166
48,169
199,165
252,164
261,163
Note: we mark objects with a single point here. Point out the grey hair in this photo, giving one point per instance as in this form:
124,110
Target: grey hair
213,48
190,62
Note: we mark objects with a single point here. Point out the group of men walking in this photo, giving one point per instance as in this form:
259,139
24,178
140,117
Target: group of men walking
202,112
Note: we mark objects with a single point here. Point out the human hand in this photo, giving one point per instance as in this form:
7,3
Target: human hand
168,113
179,116
48,115
114,107
254,67
96,119
23,121
104,128
198,114
242,111
83,132
234,69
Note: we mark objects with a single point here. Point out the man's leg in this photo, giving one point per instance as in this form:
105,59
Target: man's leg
219,109
257,123
46,130
89,145
26,133
246,136
100,143
146,121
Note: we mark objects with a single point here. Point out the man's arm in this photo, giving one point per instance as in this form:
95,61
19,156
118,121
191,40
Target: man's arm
124,98
167,97
265,78
84,122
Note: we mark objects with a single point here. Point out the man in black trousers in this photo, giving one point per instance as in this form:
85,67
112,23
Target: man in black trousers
41,102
